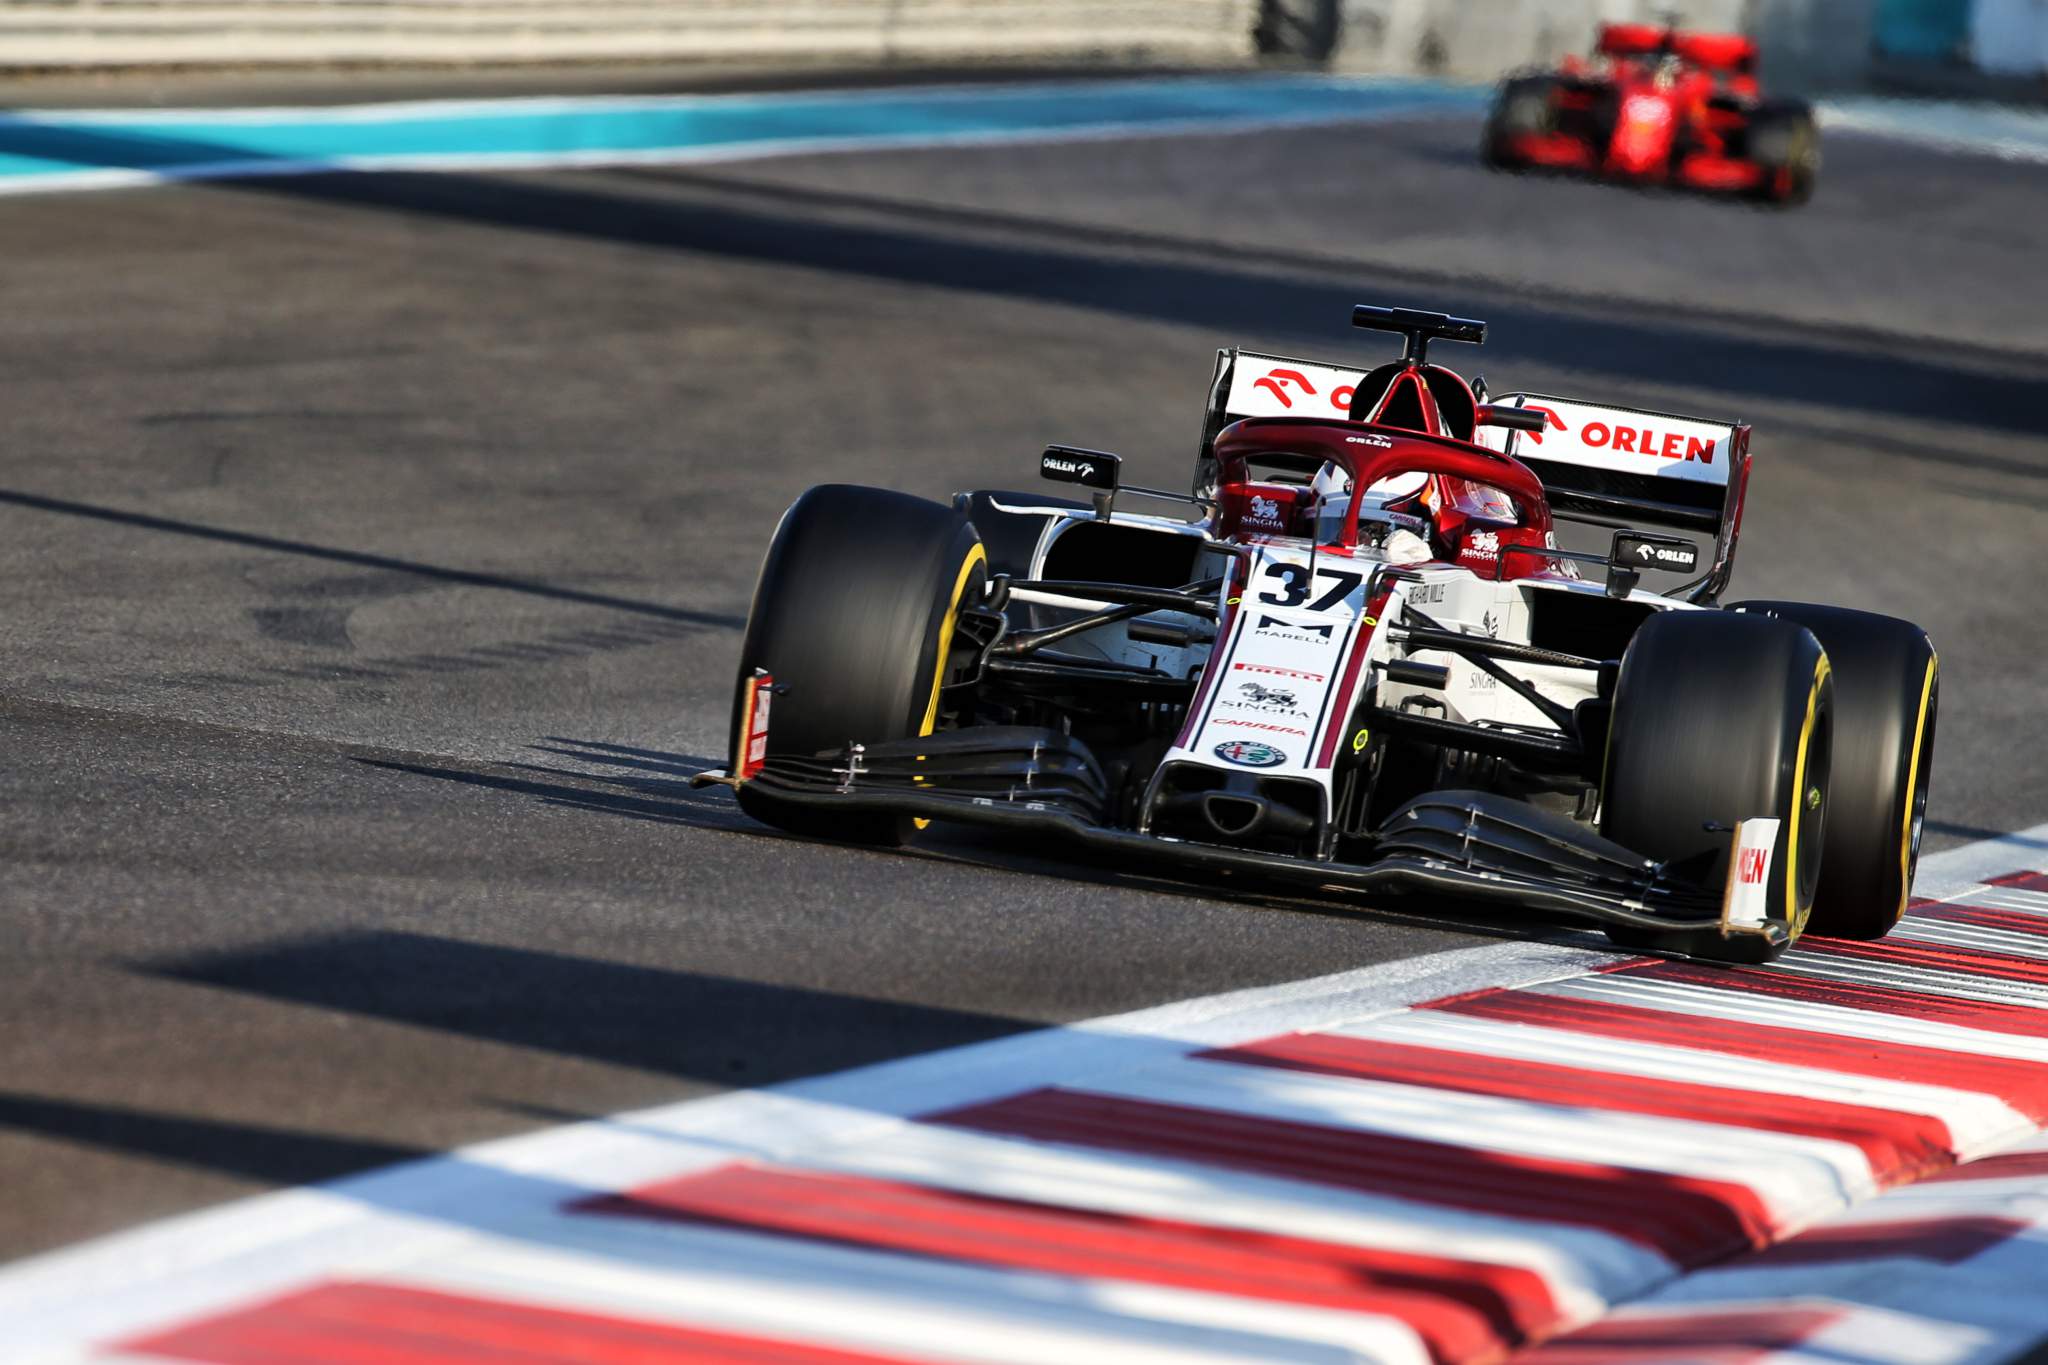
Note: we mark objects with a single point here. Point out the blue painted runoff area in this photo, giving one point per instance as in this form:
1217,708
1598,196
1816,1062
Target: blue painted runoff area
125,146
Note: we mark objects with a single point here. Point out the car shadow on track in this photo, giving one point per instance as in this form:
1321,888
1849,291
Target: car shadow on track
364,560
650,795
660,1019
653,785
249,1151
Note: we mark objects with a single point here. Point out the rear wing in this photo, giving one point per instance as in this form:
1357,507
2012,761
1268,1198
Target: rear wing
1600,464
1631,467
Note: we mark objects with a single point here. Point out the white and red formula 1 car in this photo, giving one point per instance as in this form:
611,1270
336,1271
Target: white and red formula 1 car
1367,664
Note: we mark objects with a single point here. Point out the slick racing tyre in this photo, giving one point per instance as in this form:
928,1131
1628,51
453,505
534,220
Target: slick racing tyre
853,616
1525,106
1717,718
1784,141
1887,693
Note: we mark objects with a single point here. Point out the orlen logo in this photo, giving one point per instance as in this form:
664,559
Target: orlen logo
1668,445
1644,441
1275,382
1752,863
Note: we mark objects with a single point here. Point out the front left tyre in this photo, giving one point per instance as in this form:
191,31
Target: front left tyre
854,618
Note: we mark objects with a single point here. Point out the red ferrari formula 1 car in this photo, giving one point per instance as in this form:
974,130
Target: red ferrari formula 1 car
1659,106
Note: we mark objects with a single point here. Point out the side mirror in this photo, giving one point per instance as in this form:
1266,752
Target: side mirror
1096,469
1635,551
1071,464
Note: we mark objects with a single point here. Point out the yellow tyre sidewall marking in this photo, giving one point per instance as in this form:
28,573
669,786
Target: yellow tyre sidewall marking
1912,785
1820,675
975,556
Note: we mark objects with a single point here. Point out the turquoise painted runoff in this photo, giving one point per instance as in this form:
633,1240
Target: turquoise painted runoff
59,144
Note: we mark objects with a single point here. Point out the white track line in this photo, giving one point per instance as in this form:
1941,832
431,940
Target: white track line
1785,1169
1965,1112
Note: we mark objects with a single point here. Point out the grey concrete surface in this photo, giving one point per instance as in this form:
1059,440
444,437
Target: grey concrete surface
375,549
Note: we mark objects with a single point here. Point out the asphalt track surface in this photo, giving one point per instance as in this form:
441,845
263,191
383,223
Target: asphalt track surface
375,550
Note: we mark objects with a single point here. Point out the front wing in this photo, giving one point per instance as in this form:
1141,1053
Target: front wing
1463,846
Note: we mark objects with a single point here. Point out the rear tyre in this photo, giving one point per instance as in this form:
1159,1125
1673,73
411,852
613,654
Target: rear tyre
1784,140
1887,695
854,616
1717,718
1525,106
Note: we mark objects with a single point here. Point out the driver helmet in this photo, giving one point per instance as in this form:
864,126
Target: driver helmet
1392,515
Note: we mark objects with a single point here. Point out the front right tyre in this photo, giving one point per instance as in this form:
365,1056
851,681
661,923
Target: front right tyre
1887,696
1719,718
1784,141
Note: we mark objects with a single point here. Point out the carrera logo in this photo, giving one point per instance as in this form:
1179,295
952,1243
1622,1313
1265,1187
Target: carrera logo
1281,672
1265,727
1752,864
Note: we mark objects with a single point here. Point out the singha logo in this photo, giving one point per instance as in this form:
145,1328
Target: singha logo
1259,694
1260,699
1264,511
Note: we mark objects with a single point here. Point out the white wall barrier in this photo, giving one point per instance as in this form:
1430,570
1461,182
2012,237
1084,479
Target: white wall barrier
1806,42
117,33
